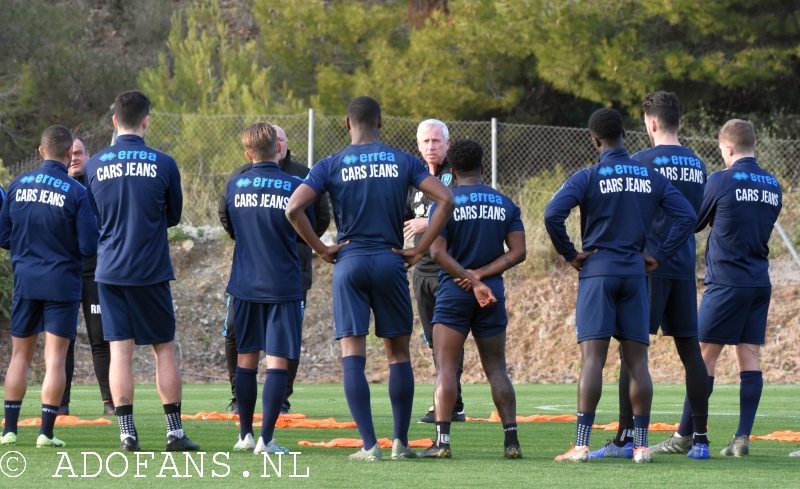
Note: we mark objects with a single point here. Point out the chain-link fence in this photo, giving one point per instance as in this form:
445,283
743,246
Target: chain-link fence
532,161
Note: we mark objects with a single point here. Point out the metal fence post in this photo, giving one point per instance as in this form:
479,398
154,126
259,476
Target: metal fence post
494,153
310,138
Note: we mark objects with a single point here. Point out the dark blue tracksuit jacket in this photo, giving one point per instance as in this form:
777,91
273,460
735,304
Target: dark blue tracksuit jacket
136,192
741,204
48,224
618,199
266,267
687,173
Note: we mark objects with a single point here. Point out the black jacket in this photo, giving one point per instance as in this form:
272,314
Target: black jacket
321,211
418,206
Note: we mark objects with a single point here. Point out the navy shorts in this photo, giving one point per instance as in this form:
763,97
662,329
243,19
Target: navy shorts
143,313
465,315
30,317
673,306
612,306
377,282
275,328
733,315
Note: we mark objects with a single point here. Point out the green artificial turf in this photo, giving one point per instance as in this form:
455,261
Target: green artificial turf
477,447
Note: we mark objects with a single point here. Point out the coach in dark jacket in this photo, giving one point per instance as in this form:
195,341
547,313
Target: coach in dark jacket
323,220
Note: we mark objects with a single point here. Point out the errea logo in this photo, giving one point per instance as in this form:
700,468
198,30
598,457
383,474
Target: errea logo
605,171
28,179
661,160
741,176
107,157
243,182
461,199
350,159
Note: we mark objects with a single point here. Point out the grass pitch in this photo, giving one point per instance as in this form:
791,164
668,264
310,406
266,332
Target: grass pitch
477,447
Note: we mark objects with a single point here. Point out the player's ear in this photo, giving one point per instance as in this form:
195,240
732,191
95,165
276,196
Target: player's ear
380,122
41,152
347,123
623,133
247,155
69,154
114,120
146,122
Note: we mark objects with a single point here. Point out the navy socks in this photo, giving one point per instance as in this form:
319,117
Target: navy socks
272,400
641,425
687,427
12,409
584,429
356,390
401,393
752,382
246,396
49,414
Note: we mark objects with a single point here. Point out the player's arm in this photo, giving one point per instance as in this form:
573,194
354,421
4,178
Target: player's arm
434,189
305,195
449,264
708,209
514,256
322,214
174,197
678,208
86,225
5,222
224,218
557,212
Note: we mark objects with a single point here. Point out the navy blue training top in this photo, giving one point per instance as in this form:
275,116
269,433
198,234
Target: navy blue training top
687,173
48,224
136,192
475,235
741,204
265,267
368,185
618,199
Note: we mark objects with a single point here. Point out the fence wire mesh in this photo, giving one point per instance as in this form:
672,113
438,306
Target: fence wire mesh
532,161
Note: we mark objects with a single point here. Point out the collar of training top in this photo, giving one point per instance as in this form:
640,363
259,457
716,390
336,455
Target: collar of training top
130,138
266,164
443,166
613,153
54,165
747,160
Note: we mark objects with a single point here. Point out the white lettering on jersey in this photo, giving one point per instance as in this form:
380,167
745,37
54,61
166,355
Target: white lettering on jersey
610,185
274,201
141,170
637,185
245,200
109,171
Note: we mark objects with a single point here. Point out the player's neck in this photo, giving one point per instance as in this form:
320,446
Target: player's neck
128,132
364,136
666,140
470,181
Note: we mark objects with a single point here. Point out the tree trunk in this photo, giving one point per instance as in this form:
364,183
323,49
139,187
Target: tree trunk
419,10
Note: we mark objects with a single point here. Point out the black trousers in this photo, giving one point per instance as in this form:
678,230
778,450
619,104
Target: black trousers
101,351
231,356
425,291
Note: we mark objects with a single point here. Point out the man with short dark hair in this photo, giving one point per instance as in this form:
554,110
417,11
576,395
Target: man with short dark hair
672,289
48,225
471,294
322,221
618,200
136,193
433,140
368,184
741,204
265,283
101,351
